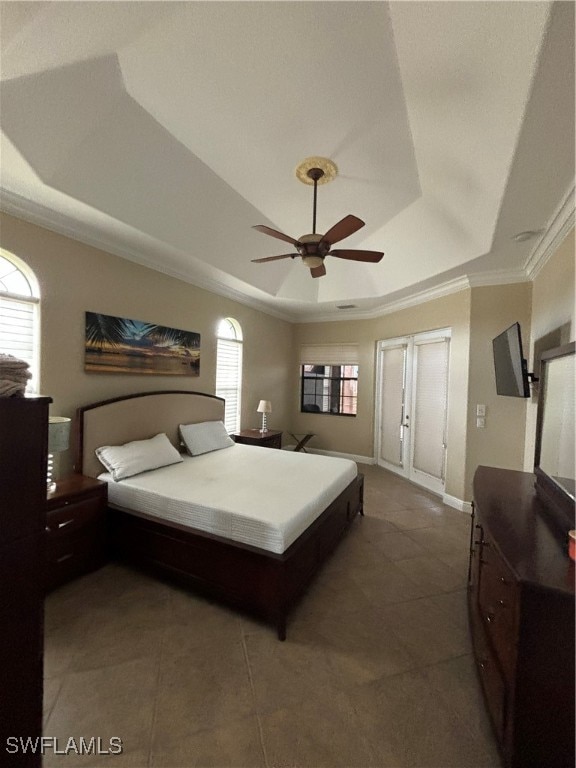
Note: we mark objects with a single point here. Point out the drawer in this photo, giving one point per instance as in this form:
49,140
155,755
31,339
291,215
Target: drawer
73,554
272,442
497,605
73,515
68,539
491,678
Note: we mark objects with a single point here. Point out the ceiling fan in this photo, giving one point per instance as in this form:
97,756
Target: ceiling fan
313,248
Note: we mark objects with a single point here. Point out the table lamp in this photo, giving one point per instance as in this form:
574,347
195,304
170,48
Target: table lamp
264,407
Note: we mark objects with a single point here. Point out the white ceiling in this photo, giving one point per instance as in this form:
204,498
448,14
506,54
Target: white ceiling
162,131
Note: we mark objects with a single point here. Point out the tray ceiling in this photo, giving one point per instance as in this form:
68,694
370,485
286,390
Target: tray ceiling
163,131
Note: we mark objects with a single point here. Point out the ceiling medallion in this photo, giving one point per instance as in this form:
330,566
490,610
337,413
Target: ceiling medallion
329,169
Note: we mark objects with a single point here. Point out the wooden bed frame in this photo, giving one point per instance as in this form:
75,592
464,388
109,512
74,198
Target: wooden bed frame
252,579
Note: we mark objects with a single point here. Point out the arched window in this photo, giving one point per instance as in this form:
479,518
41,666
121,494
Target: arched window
229,370
19,300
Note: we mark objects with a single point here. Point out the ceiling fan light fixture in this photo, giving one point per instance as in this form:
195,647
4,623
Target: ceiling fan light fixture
313,247
312,261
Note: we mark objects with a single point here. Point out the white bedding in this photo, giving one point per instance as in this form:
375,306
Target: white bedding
249,494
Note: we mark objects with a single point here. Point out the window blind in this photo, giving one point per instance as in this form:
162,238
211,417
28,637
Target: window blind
329,354
229,380
17,332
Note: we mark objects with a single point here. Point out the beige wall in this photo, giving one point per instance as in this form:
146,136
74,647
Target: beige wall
553,322
356,435
501,442
74,278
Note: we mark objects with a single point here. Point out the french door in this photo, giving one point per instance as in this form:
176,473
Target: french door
412,405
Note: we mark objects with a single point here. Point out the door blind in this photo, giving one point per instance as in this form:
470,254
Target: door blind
431,392
393,378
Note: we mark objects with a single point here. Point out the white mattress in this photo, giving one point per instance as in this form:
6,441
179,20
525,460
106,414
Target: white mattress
249,494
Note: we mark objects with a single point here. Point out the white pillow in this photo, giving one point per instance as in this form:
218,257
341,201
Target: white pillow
205,437
139,456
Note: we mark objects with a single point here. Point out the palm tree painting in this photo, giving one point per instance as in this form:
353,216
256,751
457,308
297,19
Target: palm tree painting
119,345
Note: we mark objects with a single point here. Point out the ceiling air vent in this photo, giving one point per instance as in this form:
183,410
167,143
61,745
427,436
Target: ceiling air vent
346,306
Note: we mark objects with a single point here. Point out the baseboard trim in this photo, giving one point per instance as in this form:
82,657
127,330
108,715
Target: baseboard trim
460,504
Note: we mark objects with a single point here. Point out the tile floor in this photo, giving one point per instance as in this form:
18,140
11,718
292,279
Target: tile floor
376,671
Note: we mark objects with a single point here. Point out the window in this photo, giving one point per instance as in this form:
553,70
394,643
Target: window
229,371
19,314
329,378
329,389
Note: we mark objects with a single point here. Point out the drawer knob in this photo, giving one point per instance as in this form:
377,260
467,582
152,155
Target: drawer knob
65,523
490,617
503,580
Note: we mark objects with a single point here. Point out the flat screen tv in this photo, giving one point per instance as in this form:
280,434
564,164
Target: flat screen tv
509,363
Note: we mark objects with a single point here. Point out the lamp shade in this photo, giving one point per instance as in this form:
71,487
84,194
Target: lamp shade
58,434
264,406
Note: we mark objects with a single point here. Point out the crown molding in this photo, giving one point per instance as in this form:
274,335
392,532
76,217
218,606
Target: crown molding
437,292
498,277
478,280
34,213
559,226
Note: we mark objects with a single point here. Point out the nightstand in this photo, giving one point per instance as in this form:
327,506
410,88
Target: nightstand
75,529
270,439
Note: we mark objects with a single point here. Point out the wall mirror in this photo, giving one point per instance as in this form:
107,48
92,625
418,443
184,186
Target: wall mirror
554,461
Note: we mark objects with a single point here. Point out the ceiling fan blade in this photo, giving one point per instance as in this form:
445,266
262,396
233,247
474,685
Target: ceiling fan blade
318,271
344,228
274,233
274,258
372,256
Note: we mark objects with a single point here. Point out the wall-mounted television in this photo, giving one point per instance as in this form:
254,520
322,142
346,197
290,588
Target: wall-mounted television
510,367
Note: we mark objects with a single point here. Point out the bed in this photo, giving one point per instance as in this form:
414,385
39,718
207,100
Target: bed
251,552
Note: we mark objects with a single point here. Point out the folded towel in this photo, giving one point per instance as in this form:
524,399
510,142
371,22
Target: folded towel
11,361
11,388
14,375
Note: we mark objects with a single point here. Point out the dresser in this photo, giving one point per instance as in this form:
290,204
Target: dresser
23,469
269,439
521,612
75,529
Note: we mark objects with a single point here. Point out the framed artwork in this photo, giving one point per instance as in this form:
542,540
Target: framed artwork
118,345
